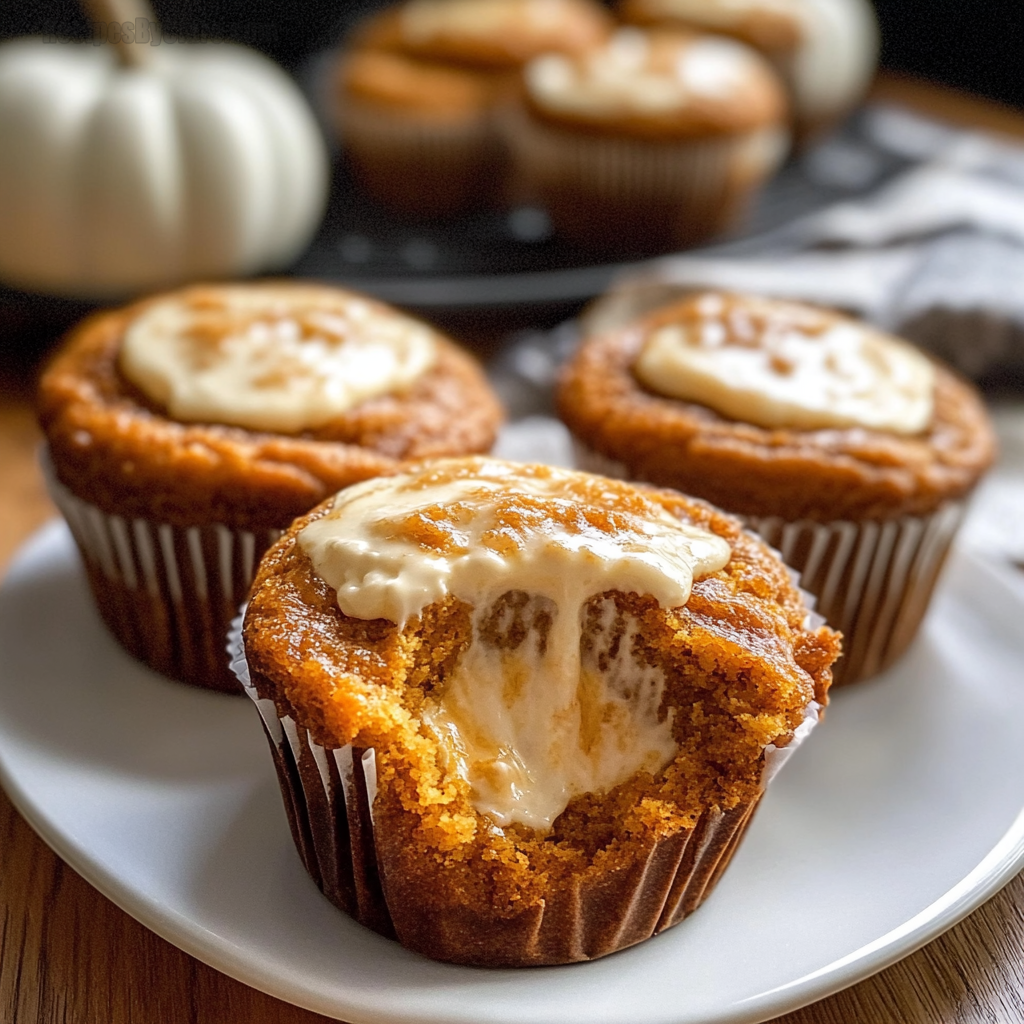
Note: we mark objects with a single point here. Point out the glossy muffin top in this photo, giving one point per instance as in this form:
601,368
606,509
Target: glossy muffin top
247,404
656,84
777,409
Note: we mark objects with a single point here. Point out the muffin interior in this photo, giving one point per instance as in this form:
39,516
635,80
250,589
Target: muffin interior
638,671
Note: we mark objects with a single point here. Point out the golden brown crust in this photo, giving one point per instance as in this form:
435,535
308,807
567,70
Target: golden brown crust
763,27
113,448
758,102
822,475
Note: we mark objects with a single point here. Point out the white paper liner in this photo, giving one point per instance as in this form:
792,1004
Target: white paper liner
872,581
586,179
166,592
340,858
331,814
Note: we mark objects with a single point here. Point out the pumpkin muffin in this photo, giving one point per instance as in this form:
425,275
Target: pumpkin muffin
523,715
824,50
419,136
186,431
849,450
656,139
418,88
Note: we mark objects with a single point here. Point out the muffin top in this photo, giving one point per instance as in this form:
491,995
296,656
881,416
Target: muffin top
406,85
519,644
657,84
246,404
496,35
775,26
776,408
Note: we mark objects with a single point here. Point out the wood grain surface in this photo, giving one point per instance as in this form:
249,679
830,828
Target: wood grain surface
69,956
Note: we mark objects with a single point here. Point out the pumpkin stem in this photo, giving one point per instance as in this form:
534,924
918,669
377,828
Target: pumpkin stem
115,15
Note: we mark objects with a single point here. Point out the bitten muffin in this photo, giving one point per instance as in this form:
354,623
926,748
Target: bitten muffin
825,50
653,140
418,87
523,715
185,431
849,450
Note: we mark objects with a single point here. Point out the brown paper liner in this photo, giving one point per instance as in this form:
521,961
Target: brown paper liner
167,593
603,189
329,797
418,167
872,580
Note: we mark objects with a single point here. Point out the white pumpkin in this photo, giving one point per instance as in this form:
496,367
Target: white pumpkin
206,162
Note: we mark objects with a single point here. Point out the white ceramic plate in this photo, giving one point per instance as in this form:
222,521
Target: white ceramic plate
899,816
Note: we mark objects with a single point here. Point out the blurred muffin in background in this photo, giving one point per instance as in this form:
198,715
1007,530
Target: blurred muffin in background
418,87
650,140
825,50
186,431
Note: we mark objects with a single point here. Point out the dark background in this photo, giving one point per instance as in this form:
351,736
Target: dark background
977,45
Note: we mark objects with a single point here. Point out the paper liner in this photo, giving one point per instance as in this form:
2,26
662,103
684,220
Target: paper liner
421,167
599,189
167,593
872,580
329,798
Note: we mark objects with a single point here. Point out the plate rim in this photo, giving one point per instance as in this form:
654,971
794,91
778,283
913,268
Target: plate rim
996,869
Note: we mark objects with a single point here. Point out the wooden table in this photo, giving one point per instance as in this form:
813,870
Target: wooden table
69,956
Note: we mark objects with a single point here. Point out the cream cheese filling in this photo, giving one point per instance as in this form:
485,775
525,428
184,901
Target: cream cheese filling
274,358
530,718
781,365
639,73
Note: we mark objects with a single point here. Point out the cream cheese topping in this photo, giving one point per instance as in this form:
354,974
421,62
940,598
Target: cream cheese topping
528,718
424,20
636,72
278,358
781,365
